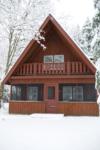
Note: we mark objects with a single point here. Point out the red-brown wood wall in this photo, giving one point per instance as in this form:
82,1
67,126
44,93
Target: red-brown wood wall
54,45
72,108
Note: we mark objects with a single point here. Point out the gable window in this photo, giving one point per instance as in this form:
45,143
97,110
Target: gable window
54,59
58,58
48,59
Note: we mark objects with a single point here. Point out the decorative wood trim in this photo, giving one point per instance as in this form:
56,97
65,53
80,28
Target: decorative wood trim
54,79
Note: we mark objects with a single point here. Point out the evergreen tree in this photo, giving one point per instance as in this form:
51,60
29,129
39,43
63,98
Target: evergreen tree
87,37
84,37
96,28
96,41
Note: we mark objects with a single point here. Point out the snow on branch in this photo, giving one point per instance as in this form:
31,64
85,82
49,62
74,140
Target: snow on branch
39,37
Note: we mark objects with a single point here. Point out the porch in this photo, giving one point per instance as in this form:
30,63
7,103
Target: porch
69,99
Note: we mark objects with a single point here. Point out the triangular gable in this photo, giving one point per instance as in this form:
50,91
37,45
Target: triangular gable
64,35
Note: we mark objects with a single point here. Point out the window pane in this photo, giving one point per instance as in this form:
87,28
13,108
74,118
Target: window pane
32,93
48,59
18,92
90,92
67,93
13,97
58,58
51,92
77,93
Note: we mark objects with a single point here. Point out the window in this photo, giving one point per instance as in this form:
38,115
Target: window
90,92
48,59
13,96
78,92
32,93
67,93
27,92
19,93
71,92
51,92
16,92
58,58
54,59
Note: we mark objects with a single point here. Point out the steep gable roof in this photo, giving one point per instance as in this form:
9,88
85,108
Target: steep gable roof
66,38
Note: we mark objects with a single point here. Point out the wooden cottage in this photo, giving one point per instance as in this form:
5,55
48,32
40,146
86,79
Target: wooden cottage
60,79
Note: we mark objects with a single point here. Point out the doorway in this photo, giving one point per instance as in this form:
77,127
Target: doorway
51,98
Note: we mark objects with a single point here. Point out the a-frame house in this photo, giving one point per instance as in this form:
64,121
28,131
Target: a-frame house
60,79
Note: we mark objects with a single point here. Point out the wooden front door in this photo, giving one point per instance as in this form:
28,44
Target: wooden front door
51,98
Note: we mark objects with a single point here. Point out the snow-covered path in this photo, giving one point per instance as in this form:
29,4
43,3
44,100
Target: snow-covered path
33,132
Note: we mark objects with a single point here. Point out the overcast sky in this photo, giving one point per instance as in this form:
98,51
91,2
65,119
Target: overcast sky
79,10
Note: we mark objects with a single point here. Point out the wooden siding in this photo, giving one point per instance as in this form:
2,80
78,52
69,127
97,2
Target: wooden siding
22,107
79,108
71,108
54,46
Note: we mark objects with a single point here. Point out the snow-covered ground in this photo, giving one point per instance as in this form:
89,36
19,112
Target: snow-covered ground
48,132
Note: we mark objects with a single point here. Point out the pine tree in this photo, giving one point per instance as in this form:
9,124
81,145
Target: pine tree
96,28
96,41
85,37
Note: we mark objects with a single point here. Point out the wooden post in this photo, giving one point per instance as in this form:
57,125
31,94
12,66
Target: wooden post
80,67
68,64
77,67
31,68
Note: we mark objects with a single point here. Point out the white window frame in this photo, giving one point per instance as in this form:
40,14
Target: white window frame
48,56
54,58
60,59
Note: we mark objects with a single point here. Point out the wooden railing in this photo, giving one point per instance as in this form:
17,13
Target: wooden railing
69,68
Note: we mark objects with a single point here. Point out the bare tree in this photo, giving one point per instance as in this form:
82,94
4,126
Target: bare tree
19,19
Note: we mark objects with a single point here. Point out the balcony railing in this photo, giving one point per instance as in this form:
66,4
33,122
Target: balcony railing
67,68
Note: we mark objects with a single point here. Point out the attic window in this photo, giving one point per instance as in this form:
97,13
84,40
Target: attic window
48,59
54,59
